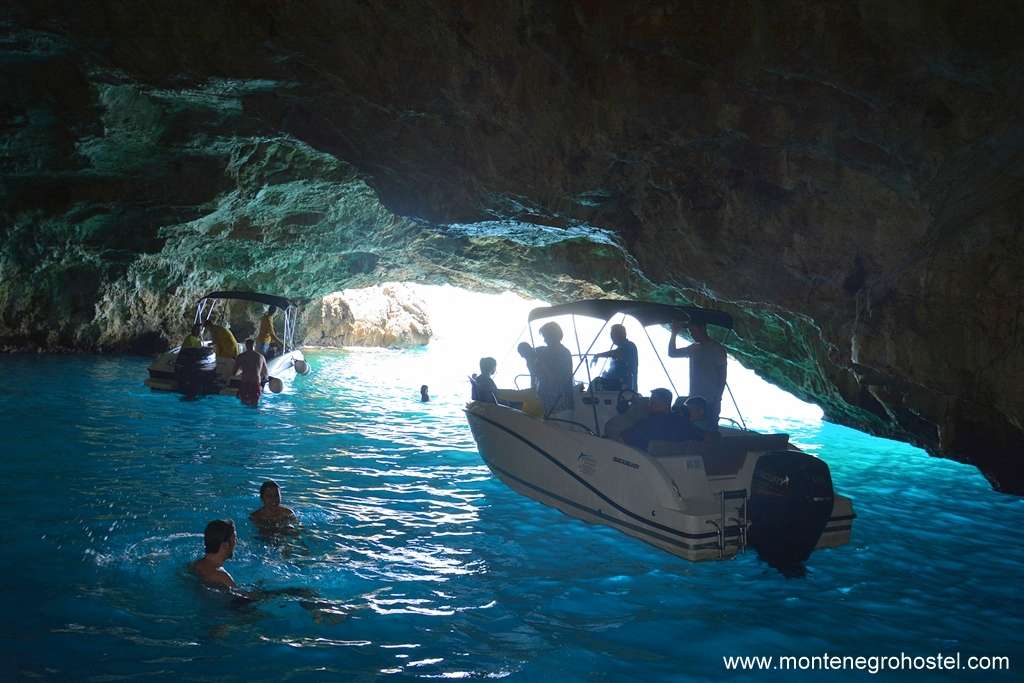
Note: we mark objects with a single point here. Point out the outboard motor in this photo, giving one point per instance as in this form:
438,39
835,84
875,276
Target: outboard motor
790,503
196,370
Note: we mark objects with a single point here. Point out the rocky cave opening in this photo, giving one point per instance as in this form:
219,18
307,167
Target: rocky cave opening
845,181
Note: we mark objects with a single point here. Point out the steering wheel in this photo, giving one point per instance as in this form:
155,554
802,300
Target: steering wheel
624,400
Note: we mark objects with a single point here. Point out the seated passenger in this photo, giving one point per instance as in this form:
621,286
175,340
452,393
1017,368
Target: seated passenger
698,408
484,388
553,370
622,373
193,340
661,424
223,341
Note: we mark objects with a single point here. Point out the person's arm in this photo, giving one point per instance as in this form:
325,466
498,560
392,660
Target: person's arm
673,350
264,372
610,353
235,368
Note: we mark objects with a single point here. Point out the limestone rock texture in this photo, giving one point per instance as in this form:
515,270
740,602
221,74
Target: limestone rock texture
389,315
845,178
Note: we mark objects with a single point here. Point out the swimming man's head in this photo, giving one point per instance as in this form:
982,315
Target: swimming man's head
270,493
219,537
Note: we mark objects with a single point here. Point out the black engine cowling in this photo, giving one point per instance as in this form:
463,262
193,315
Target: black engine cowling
196,370
790,503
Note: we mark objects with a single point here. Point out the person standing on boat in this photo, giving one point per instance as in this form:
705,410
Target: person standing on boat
552,365
526,352
267,335
224,342
707,367
254,373
622,373
193,340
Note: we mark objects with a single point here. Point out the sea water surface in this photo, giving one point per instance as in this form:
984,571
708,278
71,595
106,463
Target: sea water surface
423,563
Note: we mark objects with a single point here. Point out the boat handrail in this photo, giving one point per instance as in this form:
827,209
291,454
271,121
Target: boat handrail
585,428
741,427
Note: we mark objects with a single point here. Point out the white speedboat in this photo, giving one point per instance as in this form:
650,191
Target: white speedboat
200,371
698,500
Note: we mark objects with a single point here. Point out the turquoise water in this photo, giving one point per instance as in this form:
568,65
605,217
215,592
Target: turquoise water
430,567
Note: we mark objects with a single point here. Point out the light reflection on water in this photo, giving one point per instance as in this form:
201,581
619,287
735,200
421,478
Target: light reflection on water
425,564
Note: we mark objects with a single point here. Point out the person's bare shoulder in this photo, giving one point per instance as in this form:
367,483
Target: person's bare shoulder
217,577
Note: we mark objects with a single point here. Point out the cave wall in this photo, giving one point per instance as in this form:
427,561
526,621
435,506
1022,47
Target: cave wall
845,178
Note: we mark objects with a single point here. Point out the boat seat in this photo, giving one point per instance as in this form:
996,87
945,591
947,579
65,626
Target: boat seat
614,427
723,457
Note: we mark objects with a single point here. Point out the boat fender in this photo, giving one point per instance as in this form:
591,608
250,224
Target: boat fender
302,367
276,385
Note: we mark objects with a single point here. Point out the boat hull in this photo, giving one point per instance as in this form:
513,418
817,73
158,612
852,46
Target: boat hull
670,502
162,374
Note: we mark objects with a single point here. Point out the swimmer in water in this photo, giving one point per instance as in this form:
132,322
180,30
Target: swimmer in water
219,541
272,514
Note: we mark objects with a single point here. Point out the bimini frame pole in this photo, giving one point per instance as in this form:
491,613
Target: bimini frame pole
736,406
661,363
584,355
590,380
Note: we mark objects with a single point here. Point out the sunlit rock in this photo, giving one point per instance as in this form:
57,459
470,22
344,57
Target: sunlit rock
390,315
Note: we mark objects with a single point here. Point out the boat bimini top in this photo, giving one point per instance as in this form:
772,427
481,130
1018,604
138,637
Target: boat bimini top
647,313
206,306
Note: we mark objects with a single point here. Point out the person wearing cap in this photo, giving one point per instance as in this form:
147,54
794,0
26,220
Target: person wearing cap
707,367
552,365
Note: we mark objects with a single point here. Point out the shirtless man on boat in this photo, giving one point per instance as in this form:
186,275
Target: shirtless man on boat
254,373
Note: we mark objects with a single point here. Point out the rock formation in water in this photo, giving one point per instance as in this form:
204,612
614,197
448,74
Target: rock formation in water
390,315
844,178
